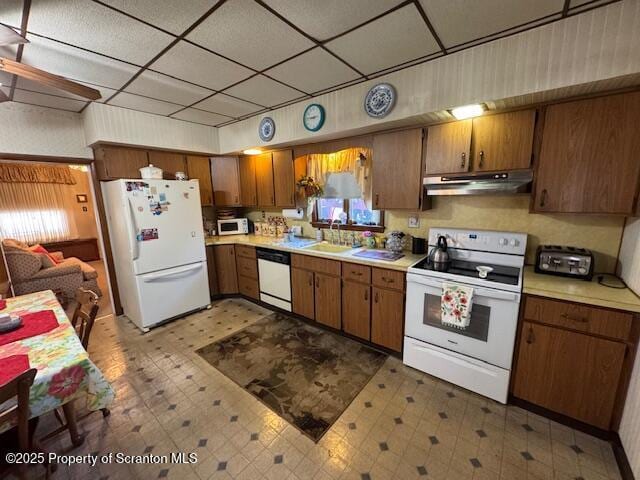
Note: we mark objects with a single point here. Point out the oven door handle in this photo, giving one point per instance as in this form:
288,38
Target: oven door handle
477,291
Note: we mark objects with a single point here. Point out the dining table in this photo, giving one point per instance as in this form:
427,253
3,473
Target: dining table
65,373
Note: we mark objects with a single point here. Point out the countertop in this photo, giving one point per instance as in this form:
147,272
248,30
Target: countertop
401,264
580,291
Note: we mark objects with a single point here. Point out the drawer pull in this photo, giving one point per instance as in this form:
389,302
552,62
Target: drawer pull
311,280
366,294
375,299
359,274
566,316
530,336
387,280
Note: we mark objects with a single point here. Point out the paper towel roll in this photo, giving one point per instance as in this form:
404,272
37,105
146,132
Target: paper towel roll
296,213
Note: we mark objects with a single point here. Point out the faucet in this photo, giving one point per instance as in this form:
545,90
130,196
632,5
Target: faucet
331,233
339,235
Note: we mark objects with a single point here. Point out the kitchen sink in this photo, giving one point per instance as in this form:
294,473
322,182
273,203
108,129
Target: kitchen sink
328,248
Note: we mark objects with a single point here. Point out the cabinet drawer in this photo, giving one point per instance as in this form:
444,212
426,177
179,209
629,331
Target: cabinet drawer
597,321
388,279
245,251
320,265
247,267
248,287
356,273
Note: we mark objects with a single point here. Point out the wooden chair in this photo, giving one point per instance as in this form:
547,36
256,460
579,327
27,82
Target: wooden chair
85,314
19,413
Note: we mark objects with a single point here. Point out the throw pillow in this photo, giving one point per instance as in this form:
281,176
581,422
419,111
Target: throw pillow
40,249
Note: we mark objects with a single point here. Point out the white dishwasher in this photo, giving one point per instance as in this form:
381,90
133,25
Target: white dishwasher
275,277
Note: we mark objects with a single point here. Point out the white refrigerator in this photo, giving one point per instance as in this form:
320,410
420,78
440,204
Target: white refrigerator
155,227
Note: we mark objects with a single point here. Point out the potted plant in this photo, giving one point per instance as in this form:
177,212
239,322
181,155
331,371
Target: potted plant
310,190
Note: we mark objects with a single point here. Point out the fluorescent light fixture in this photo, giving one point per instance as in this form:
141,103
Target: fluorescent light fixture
252,151
467,111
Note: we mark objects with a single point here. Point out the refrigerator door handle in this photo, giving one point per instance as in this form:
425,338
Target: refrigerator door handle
175,273
134,248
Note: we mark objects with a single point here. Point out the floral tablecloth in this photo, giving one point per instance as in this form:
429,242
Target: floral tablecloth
65,371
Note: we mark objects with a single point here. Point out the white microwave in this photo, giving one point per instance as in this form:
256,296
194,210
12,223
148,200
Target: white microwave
234,226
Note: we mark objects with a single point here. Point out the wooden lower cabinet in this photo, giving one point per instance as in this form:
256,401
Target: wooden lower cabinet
211,270
356,309
328,300
387,316
302,293
568,372
225,260
249,287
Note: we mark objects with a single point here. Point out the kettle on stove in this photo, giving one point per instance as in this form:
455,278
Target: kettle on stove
439,257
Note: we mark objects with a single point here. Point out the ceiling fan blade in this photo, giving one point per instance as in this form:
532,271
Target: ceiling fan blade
3,97
8,36
49,79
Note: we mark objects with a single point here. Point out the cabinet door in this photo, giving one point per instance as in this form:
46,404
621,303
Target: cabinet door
397,179
248,193
225,260
199,168
211,270
169,162
302,292
570,373
503,142
387,314
588,160
356,309
264,180
448,148
283,178
327,300
115,162
226,181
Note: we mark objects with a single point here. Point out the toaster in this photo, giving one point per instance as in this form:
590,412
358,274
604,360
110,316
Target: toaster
565,261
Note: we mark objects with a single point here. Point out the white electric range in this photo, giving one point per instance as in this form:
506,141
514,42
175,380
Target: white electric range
478,357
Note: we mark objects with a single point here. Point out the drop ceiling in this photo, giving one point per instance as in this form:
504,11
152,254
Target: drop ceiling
215,62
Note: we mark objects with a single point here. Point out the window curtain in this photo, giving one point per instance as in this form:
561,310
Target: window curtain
36,212
356,161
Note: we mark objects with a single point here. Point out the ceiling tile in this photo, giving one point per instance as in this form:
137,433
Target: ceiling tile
35,98
460,21
157,85
5,79
76,64
97,28
226,105
196,65
143,104
175,16
313,71
263,91
8,51
249,34
328,18
396,38
11,12
200,116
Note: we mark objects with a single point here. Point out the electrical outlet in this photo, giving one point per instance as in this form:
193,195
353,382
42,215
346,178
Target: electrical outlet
414,221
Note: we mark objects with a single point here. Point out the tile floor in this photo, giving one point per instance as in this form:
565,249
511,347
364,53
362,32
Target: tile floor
403,424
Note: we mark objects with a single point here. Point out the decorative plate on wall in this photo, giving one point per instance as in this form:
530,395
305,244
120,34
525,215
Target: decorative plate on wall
267,129
313,117
380,100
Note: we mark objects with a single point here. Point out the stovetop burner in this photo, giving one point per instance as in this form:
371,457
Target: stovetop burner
500,273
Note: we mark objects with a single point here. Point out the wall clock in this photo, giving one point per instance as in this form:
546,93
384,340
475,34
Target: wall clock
313,117
267,129
380,100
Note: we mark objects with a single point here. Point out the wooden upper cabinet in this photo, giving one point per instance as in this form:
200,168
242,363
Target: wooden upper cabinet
248,192
283,178
117,162
226,181
199,168
503,141
396,171
169,162
264,180
448,148
588,160
570,373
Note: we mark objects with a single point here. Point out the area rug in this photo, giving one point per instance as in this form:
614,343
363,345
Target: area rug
305,374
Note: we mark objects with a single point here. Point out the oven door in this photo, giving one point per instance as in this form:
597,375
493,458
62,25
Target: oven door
490,335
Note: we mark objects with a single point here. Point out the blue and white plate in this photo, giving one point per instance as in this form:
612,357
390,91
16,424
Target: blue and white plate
380,100
267,129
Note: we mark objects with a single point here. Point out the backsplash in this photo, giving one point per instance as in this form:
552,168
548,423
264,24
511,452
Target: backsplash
600,233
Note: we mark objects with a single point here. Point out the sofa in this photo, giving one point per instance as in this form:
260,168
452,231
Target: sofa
33,272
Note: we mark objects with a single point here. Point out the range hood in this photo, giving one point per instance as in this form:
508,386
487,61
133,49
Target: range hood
516,181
